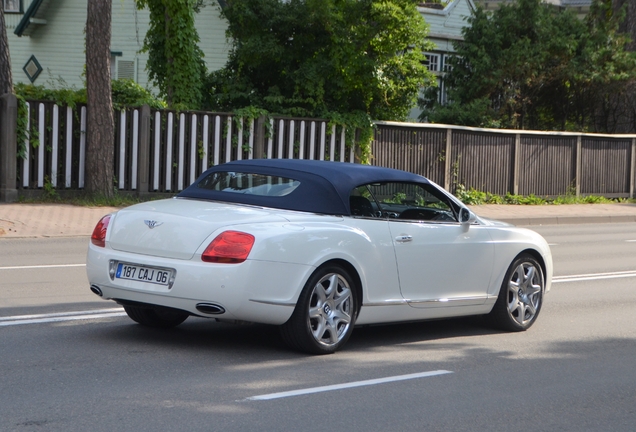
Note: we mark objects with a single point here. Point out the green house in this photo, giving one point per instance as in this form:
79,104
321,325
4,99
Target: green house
46,40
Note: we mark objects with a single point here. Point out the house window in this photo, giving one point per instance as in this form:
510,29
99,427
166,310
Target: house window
447,67
443,93
12,6
432,62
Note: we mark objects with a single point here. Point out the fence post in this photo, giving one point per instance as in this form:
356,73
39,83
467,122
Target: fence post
515,165
259,138
632,170
143,167
448,160
579,162
8,147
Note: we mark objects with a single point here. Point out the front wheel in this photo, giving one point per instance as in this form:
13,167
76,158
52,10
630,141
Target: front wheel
520,297
156,316
325,313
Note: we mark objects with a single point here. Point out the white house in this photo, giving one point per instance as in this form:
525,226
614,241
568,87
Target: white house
445,28
47,40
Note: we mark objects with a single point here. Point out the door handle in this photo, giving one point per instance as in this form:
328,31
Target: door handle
403,238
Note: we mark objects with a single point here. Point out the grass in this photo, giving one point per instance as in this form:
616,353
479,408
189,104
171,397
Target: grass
474,197
467,196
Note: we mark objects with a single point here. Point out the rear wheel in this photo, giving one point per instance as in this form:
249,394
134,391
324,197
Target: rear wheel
325,313
156,316
520,297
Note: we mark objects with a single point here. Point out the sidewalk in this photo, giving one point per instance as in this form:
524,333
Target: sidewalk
63,220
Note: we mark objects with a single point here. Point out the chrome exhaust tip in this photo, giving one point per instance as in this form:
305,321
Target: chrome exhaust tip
96,290
210,308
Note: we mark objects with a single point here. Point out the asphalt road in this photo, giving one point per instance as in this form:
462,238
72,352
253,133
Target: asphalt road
574,370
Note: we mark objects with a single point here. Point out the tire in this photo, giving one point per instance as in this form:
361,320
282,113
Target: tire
520,297
156,316
325,313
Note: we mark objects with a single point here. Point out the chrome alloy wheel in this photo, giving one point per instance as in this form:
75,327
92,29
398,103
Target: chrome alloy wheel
330,309
525,292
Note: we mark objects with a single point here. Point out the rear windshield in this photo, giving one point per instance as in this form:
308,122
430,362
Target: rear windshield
249,183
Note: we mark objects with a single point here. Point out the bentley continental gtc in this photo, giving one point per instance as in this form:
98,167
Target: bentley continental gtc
316,248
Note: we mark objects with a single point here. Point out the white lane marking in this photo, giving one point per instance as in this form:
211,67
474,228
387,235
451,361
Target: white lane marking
42,266
553,244
311,390
594,276
630,241
61,316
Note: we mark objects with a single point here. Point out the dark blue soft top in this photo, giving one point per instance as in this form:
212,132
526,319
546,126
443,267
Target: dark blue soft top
324,186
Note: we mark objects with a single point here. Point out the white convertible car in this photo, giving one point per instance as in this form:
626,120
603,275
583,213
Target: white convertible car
316,248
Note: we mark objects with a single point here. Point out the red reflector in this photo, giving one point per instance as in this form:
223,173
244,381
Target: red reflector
98,238
229,247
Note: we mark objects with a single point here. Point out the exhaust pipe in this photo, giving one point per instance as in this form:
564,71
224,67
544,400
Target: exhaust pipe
96,290
210,308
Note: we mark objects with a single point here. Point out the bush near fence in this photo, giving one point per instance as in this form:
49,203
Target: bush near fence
163,151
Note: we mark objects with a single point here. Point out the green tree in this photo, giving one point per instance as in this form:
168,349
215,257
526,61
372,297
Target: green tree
531,65
175,62
316,57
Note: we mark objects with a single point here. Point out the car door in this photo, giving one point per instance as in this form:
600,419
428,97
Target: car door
440,262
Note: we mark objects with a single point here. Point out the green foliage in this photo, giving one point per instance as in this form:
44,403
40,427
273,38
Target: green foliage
66,96
474,197
313,57
348,61
175,62
127,93
530,65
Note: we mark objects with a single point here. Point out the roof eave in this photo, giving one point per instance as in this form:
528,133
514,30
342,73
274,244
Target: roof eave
23,28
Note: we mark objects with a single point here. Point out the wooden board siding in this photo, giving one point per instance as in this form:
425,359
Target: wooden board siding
607,165
547,165
482,161
59,44
446,25
415,150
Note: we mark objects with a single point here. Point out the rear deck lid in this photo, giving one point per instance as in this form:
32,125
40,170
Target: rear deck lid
175,228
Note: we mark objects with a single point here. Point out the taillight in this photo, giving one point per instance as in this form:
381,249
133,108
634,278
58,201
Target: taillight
229,247
99,233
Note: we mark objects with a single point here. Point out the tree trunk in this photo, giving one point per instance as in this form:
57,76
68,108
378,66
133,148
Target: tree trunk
6,80
100,148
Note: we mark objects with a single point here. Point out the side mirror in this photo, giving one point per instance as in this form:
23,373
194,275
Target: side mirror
466,217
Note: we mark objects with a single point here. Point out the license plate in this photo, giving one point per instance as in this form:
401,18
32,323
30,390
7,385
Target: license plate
143,274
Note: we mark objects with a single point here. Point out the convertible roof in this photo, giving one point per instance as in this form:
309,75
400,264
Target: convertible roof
324,186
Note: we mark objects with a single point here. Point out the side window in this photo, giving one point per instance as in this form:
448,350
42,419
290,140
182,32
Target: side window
411,201
361,203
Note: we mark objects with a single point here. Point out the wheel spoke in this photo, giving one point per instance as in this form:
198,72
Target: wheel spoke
521,274
332,289
530,276
533,289
315,312
341,316
320,329
343,297
319,291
